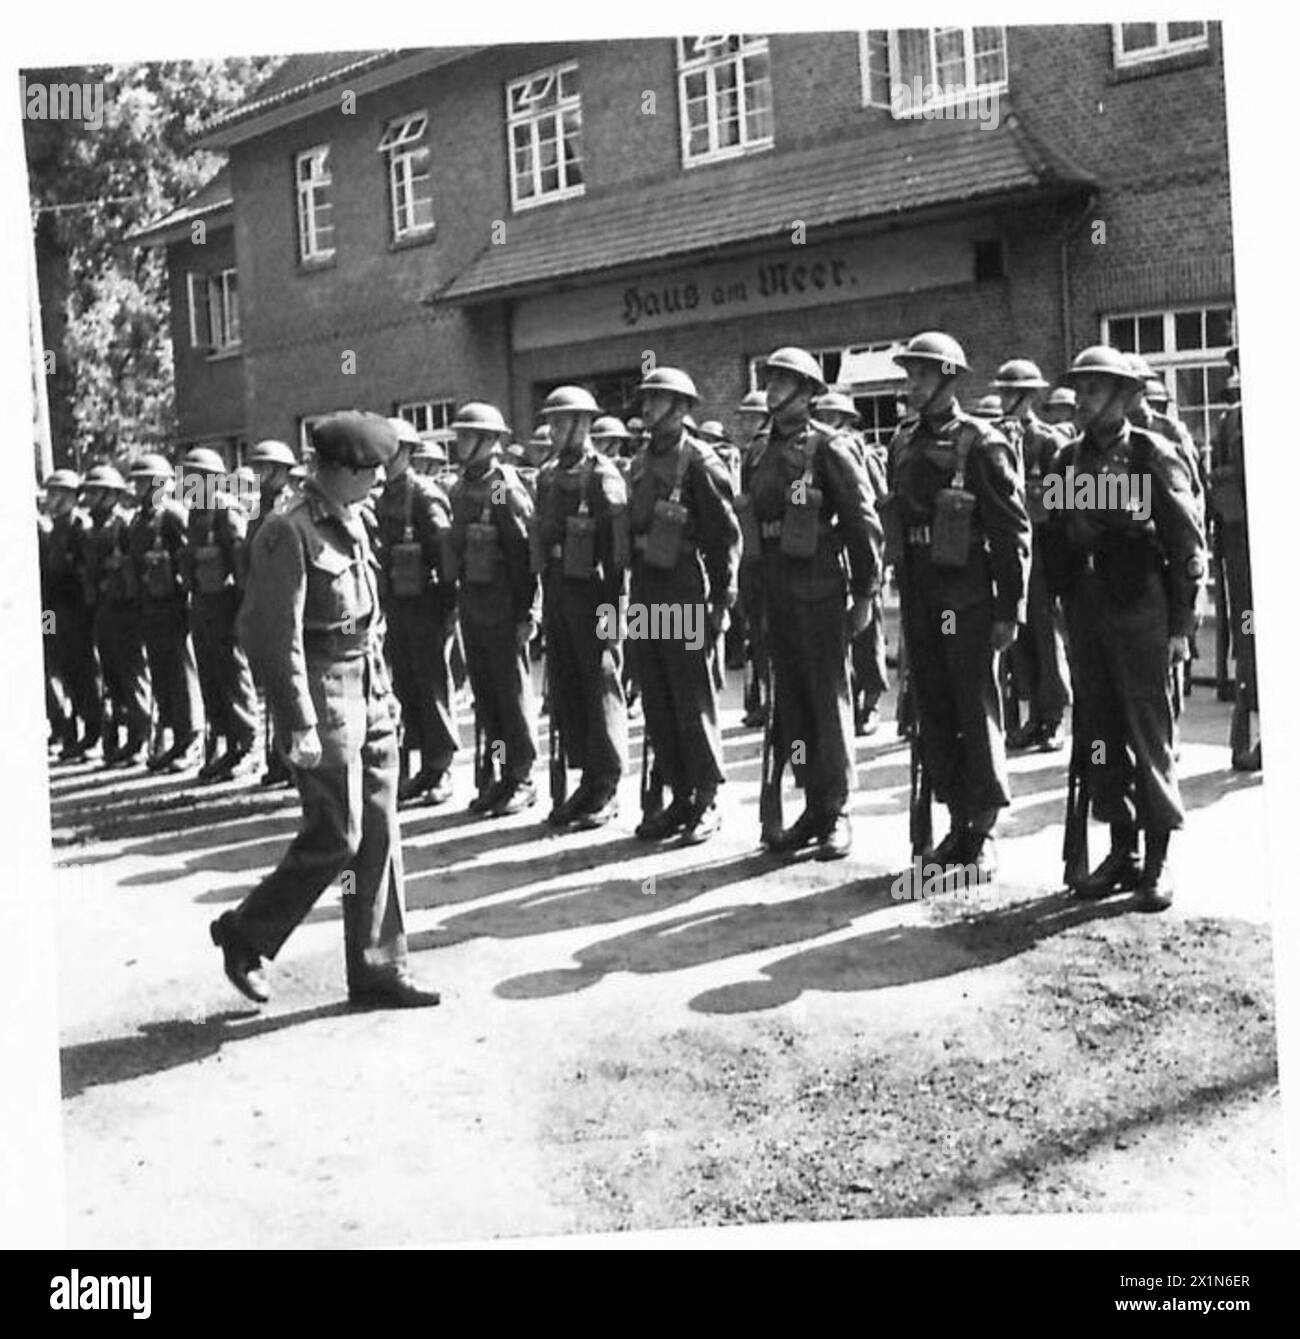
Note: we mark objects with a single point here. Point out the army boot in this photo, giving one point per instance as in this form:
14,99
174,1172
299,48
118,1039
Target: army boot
656,826
1118,872
1155,889
703,819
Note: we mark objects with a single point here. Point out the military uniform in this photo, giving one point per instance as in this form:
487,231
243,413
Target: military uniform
580,551
497,591
413,516
948,611
1039,672
312,623
804,597
157,542
212,561
695,569
73,638
870,670
113,591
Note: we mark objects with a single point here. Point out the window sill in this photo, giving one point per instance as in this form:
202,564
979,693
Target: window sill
315,263
224,355
729,155
1160,64
541,201
421,238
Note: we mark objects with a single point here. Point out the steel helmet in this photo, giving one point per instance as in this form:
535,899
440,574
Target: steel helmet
1156,390
755,402
669,379
1102,360
68,479
272,452
152,465
570,400
988,406
609,426
933,346
1062,395
104,476
541,435
203,460
1140,365
798,361
1019,374
711,430
476,416
406,432
835,402
298,472
430,451
246,475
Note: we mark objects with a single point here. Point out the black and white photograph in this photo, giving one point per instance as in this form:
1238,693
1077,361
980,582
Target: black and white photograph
649,637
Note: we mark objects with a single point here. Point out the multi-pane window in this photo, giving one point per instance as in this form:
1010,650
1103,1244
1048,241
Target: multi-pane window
544,128
410,188
1138,42
1186,348
916,70
725,90
214,311
430,418
315,211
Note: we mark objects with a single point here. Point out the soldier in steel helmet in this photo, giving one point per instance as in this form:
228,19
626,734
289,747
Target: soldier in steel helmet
1227,499
113,591
214,559
812,510
685,549
156,541
1127,556
580,550
958,507
1039,672
312,622
499,602
73,637
1058,410
751,416
413,520
610,435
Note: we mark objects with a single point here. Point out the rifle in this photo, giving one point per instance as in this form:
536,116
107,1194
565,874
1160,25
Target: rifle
652,786
920,819
1010,702
559,773
1074,849
771,816
482,761
1224,689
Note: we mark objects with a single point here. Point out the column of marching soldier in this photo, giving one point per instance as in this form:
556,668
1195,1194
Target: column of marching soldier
1014,584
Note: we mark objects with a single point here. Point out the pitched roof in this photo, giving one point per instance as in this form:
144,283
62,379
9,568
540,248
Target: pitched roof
896,168
208,202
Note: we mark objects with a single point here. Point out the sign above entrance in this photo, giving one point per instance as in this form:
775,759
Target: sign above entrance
783,280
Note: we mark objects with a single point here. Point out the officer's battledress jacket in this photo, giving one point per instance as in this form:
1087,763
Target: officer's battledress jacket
922,461
562,488
710,529
312,601
1121,547
494,495
848,525
418,502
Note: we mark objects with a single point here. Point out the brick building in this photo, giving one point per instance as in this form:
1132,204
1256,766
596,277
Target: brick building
414,229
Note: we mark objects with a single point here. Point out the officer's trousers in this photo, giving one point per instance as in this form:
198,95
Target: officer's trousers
420,633
76,663
226,682
1123,703
1039,672
503,693
120,644
585,680
808,643
676,675
349,827
956,702
870,673
171,667
1241,604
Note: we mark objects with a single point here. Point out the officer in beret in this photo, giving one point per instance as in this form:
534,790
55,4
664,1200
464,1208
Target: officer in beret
312,624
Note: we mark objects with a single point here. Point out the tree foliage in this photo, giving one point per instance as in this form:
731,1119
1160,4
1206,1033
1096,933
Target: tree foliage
90,186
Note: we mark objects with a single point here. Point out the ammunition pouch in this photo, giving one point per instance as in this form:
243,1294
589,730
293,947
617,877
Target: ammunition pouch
159,574
209,569
580,547
408,575
799,528
663,546
119,579
953,527
482,553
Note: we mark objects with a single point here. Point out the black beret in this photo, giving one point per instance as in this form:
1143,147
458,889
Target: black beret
354,437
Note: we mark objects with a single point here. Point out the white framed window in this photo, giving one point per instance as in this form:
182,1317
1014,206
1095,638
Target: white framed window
214,311
914,71
410,185
315,210
544,133
724,89
1185,346
866,373
430,418
1139,42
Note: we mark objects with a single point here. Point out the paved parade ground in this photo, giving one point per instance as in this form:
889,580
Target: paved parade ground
641,1038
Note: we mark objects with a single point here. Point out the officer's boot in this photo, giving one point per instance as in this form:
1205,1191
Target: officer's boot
1155,890
1119,872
